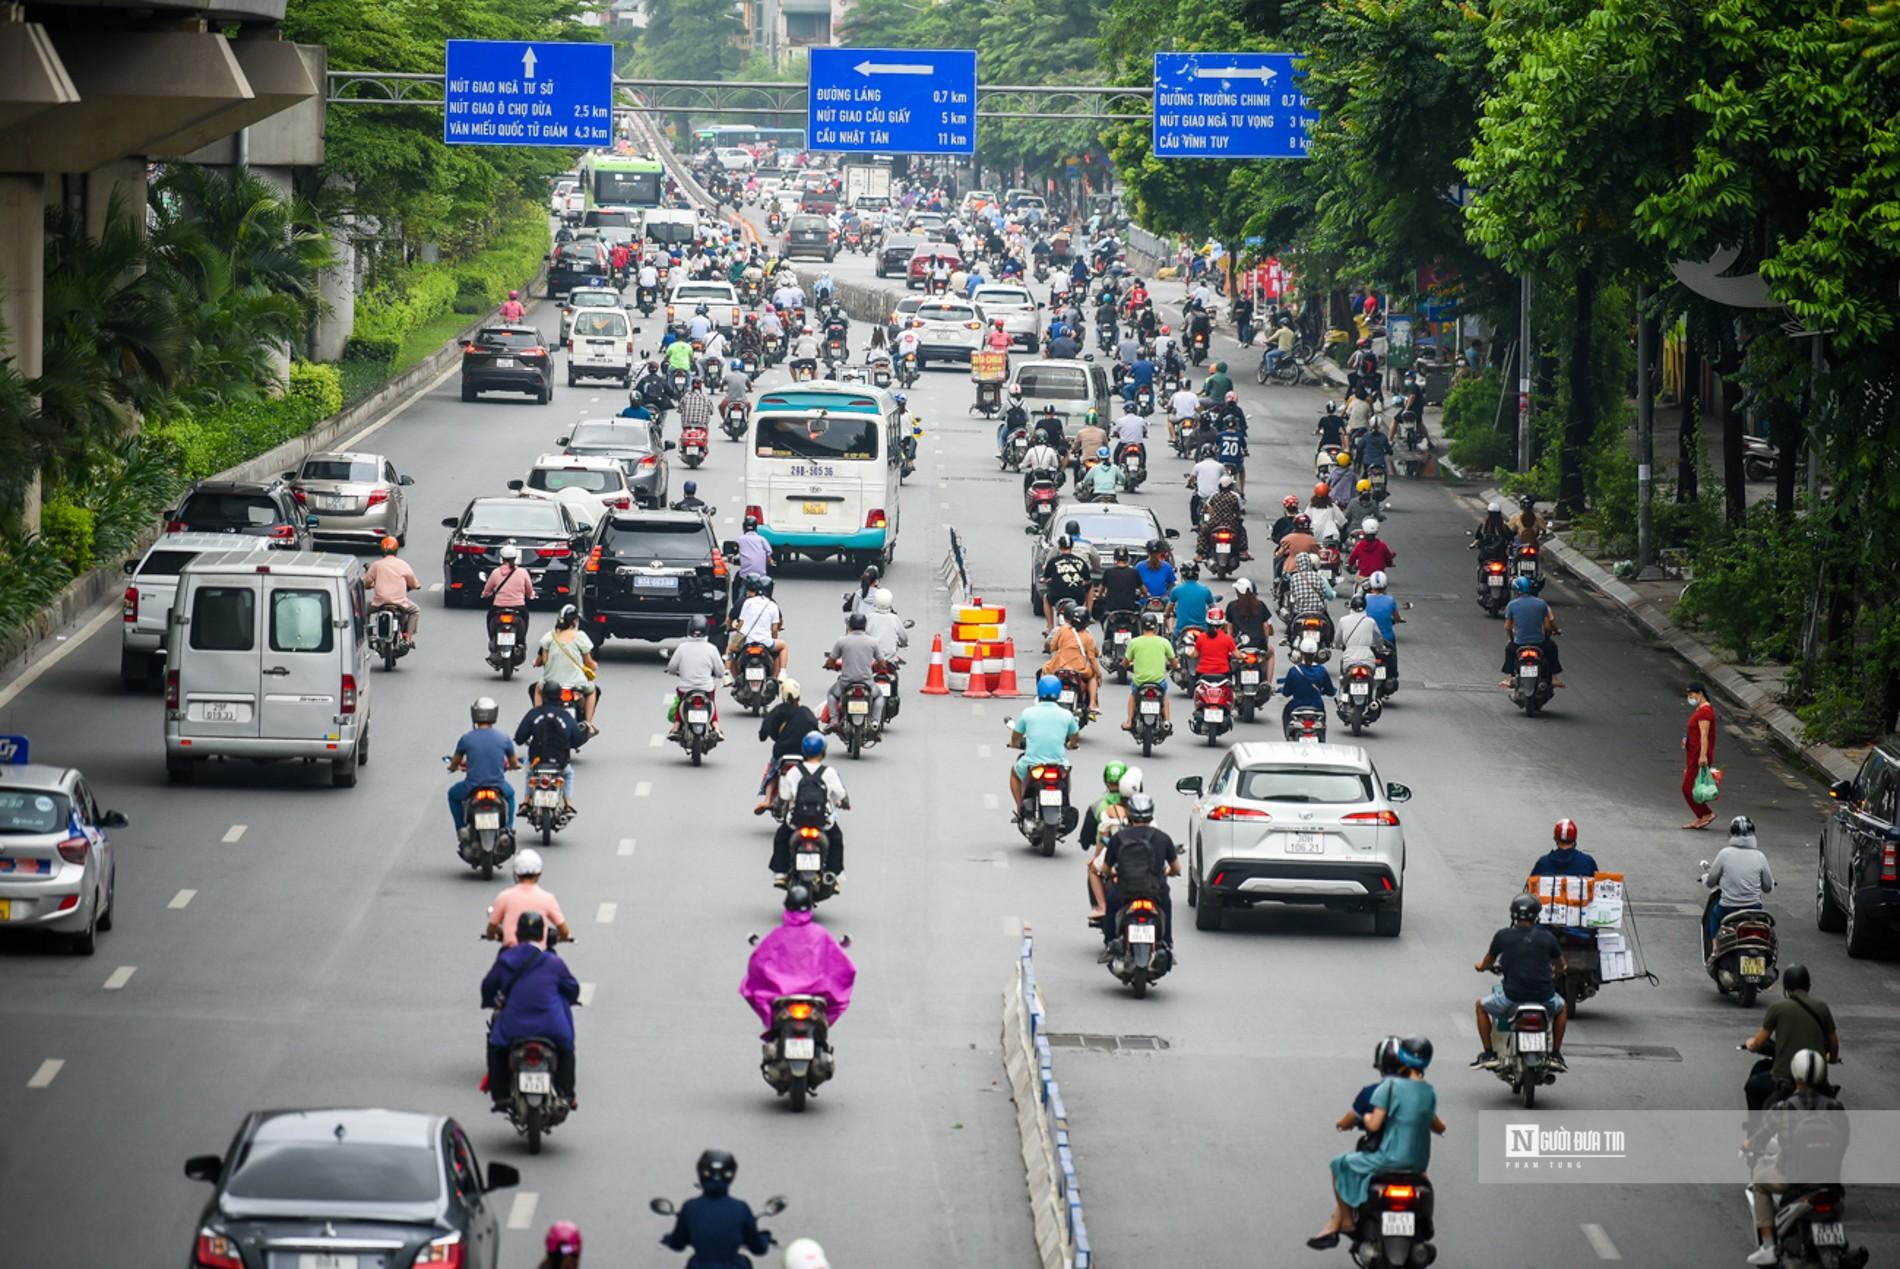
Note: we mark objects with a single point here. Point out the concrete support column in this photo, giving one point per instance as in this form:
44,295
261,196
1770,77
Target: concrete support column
22,287
278,178
337,286
125,179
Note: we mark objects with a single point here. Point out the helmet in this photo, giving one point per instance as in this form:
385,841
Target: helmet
1216,616
1141,809
569,616
998,323
1565,832
1494,508
1377,580
882,599
1741,826
1523,585
1232,397
1226,481
716,1165
1112,774
1048,687
1102,451
564,1239
751,523
813,745
805,1254
1302,521
1191,571
1078,615
1385,1056
1243,586
789,689
1065,543
1415,1051
900,398
390,546
530,927
1290,502
1527,501
1332,407
1089,418
1357,603
856,621
484,710
1343,459
1321,489
510,553
1369,526
1151,621
696,628
528,864
1364,486
798,899
1167,330
1808,1067
514,295
692,487
1525,907
1131,782
1795,978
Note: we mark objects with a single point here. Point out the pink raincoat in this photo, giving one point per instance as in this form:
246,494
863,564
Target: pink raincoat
798,959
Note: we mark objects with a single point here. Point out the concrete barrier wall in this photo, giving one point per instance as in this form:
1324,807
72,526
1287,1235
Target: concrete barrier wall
1042,1121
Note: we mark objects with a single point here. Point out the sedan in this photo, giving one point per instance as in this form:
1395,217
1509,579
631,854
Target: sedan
354,496
1018,309
1098,528
946,327
507,359
348,1189
1296,823
917,272
634,444
587,297
590,486
57,871
894,253
550,537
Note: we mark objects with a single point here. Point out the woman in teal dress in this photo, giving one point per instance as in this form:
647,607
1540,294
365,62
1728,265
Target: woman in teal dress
1405,1115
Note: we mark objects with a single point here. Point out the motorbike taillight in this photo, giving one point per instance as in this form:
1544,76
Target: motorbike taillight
1399,1196
1529,1020
533,1055
1360,672
1052,776
486,795
808,833
1142,905
1760,932
1495,566
799,1009
505,619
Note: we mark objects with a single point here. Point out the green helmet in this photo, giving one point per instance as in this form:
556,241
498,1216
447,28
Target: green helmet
1112,774
1089,419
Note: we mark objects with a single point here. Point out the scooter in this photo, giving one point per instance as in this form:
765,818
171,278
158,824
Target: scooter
1306,725
1530,684
1358,701
1015,445
1326,461
1493,593
907,370
485,843
507,640
546,808
1809,1230
1151,725
1134,465
534,1108
801,1043
385,636
1394,1228
647,300
756,683
732,418
989,398
1253,689
884,680
696,735
1118,631
1145,400
1522,1044
1527,561
1213,715
693,445
1045,816
1074,697
1140,955
1742,960
1187,659
1224,555
1039,500
855,726
1307,634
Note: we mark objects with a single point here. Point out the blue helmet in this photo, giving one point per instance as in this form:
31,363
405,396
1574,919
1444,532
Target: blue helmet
813,745
1048,687
692,487
900,399
1523,585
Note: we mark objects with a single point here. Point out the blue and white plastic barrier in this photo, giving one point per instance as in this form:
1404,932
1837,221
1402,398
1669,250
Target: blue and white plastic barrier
1055,1196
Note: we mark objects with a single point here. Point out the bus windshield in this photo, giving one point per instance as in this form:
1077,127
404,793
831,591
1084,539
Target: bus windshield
626,189
851,437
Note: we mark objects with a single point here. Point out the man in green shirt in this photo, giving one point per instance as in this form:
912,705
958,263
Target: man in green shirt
1218,385
1150,657
1797,1021
1104,479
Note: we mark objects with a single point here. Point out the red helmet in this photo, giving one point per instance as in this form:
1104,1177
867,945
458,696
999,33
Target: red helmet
564,1239
1290,502
1321,489
1565,832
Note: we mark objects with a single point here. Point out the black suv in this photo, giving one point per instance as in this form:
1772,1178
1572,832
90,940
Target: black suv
507,359
893,255
257,509
1858,886
577,263
810,235
550,535
649,573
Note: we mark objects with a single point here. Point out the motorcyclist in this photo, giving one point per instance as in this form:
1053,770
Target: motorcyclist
759,620
509,587
714,1224
1797,1021
1306,685
551,735
533,995
1120,587
858,598
1250,619
486,756
699,668
1308,591
1015,416
1371,554
755,553
786,725
1066,576
1358,638
1048,429
1799,1142
1150,657
1363,506
748,342
1328,519
1222,511
1140,835
1492,538
1214,650
679,356
512,309
1182,408
1330,429
563,1245
1072,650
1101,821
884,625
804,353
1531,958
1104,479
1045,732
566,657
1339,485
1189,601
812,766
1737,878
390,581
1384,609
1230,440
1528,621
526,895
854,656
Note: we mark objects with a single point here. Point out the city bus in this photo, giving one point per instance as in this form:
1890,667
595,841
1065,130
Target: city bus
622,180
822,473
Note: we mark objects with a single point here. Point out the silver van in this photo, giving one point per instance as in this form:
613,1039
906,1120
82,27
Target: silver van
267,657
151,580
1072,387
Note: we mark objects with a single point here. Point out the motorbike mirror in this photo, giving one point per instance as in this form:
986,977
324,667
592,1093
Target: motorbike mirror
729,549
1702,865
909,624
774,1205
517,485
1398,792
669,444
1172,533
1009,721
845,941
502,1176
662,1207
1088,356
311,521
291,474
204,1167
752,940
1190,785
1031,530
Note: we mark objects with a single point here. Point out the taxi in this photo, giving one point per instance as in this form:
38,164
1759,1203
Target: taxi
57,871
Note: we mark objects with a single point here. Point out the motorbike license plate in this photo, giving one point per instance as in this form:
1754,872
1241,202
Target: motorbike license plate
1050,797
1306,844
1141,934
642,581
1495,579
1132,463
1827,1233
807,861
1214,715
1151,707
1530,1042
535,1082
1379,672
1398,1224
505,639
857,707
1250,677
488,821
698,716
1223,548
325,1260
1068,696
800,1048
1528,671
883,689
547,797
504,361
1754,965
755,673
1360,689
1526,569
814,508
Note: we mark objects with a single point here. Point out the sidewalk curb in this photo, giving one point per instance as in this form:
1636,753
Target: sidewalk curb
1754,700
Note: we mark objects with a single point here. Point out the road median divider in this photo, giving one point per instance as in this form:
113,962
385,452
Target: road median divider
1042,1121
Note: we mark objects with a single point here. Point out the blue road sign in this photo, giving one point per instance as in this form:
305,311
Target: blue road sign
516,92
1229,106
893,100
13,749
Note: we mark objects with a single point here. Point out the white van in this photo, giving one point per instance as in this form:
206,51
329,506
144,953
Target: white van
151,581
672,227
267,657
600,345
1072,387
823,470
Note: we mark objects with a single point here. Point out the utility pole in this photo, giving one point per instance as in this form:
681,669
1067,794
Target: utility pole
1524,376
1645,434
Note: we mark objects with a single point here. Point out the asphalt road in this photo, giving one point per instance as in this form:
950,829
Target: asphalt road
290,944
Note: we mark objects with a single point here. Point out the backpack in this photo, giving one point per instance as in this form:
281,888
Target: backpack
1136,874
811,801
550,737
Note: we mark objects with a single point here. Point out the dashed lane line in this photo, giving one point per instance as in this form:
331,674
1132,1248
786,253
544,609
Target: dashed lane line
626,845
120,977
1600,1243
605,913
48,1072
644,789
587,993
982,751
521,1210
234,833
655,740
182,899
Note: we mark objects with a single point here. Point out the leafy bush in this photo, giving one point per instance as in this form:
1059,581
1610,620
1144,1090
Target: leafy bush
320,387
471,296
202,445
1751,585
376,349
1472,421
67,528
426,293
35,575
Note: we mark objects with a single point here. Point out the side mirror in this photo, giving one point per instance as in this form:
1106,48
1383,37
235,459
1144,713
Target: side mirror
1190,785
776,1204
449,522
517,485
845,941
501,1176
1842,790
663,1207
114,819
291,474
1702,865
1009,721
729,549
204,1167
130,567
405,480
1398,792
1172,533
669,444
909,624
563,440
1031,530
752,940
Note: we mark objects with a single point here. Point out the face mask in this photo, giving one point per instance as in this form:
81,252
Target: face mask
1692,701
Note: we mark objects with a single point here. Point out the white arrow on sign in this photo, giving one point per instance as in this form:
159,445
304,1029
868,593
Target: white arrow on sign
527,64
1261,73
899,68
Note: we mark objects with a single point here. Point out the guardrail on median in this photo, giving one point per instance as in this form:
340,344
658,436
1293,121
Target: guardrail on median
1055,1199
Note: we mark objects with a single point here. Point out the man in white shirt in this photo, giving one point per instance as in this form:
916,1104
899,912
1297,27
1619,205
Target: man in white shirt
1204,479
908,342
649,278
699,668
1042,457
1182,407
759,621
804,353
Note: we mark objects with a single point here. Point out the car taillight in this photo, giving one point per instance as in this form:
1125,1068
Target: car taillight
561,552
1889,867
669,312
536,351
298,494
1390,819
445,1252
1237,813
649,462
175,526
467,548
171,689
215,1251
347,694
593,561
973,326
570,345
284,533
377,497
75,848
874,519
798,1009
130,609
629,348
756,514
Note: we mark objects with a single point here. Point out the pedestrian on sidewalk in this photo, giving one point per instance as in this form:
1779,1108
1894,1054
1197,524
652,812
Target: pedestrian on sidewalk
1698,750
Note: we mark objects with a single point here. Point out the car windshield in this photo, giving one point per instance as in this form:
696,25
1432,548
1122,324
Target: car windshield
580,256
588,479
656,540
1063,383
809,222
1303,784
609,219
991,299
690,292
600,324
496,338
946,312
594,299
524,516
1096,527
601,436
834,436
335,1172
339,469
24,811
217,512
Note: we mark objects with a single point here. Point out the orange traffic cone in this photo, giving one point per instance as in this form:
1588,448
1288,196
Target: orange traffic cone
933,682
1006,681
978,686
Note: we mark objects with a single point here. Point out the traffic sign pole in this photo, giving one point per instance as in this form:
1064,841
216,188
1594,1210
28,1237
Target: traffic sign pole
892,100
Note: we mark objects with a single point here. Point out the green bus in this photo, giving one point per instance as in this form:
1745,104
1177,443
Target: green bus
622,180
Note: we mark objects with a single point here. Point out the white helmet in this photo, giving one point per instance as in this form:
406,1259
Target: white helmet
788,687
1369,527
1377,580
528,864
1130,782
882,599
510,553
1243,586
1808,1067
1226,482
805,1254
1494,507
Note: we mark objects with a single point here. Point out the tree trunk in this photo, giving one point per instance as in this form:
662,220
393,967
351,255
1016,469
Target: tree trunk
1728,395
1581,426
1784,433
1689,437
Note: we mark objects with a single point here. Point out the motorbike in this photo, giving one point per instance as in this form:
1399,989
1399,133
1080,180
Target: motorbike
508,640
1759,458
1307,725
989,398
1385,682
1286,372
1041,271
1326,462
385,636
907,370
881,373
1394,1226
855,726
534,1108
1140,955
1527,561
1530,685
1213,715
1151,726
853,239
1224,556
1134,464
1493,594
1522,1044
1809,1230
1039,500
774,349
1742,960
756,682
732,418
1045,816
646,298
1331,560
678,380
801,1045
1253,689
1145,400
1015,445
1074,697
1197,350
749,369
545,807
693,444
1105,336
1377,477
1358,701
1118,630
884,680
1307,633
484,843
696,735
1187,657
835,350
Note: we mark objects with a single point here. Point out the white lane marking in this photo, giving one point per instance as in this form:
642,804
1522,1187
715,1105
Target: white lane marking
434,587
626,845
587,993
943,484
982,751
521,1210
53,658
182,899
604,915
49,1070
1013,926
644,789
120,977
655,740
1600,1243
234,833
944,505
728,520
990,802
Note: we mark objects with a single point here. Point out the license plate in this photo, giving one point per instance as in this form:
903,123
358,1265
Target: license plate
643,581
1222,548
6,910
1527,569
812,508
1050,797
1141,934
325,1260
800,1049
1530,1042
1528,671
807,862
324,502
755,673
1133,464
547,797
1214,715
698,716
535,1082
1360,689
1379,673
1827,1233
505,639
857,707
1068,697
488,820
1754,965
1151,707
883,689
504,361
1250,677
1398,1224
224,712
1306,844
1496,579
